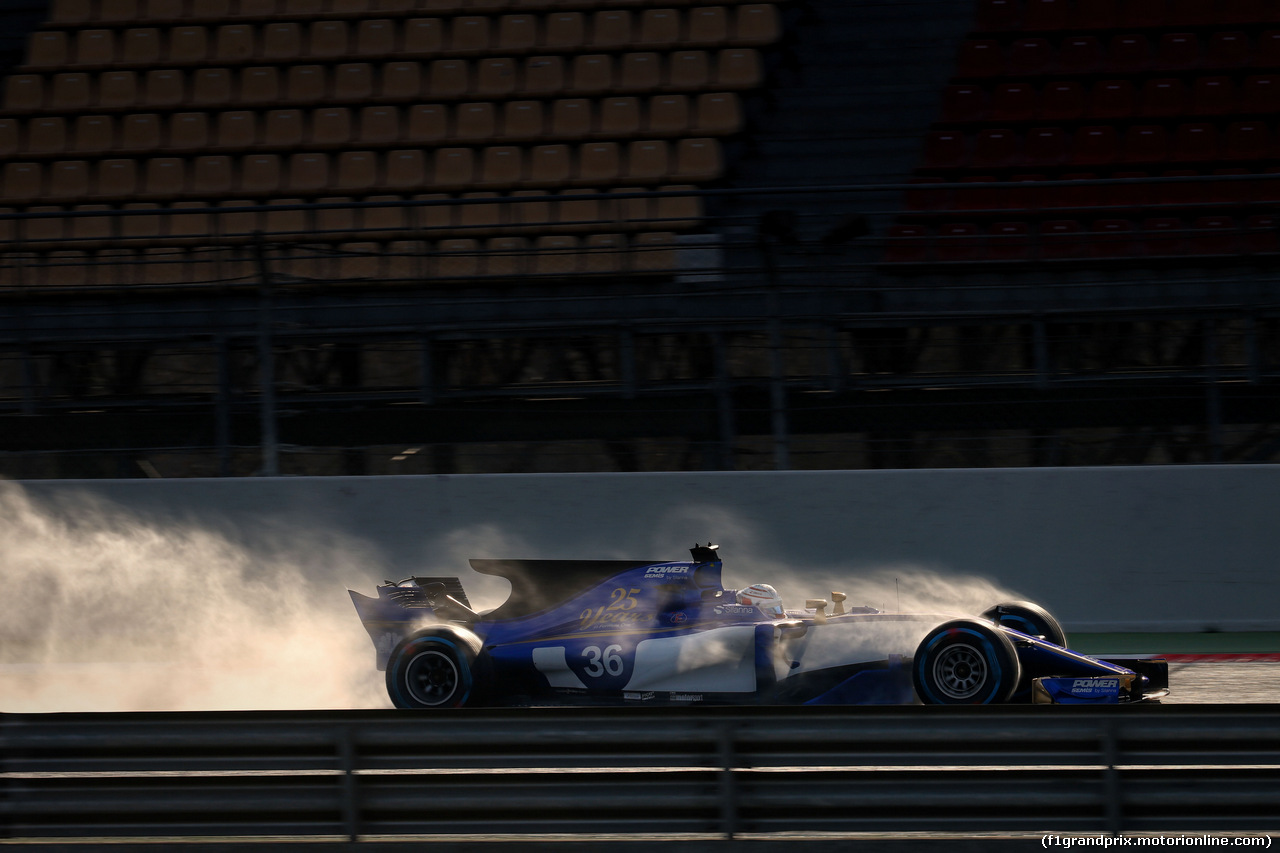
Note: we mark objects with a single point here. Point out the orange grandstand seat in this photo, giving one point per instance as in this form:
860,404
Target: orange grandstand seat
259,86
211,87
236,129
542,76
425,123
522,120
376,38
404,170
400,81
668,115
517,33
46,135
357,171
691,70
327,40
95,48
564,31
549,166
330,126
660,29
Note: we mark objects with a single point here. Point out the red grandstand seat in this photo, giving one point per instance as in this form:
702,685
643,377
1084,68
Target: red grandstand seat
1163,96
1048,15
1144,143
944,149
1111,238
1013,102
1233,189
1177,191
1112,99
1214,235
1144,14
1072,191
1029,57
906,245
1097,14
964,103
1228,50
1123,194
1267,188
1260,94
1266,52
1195,142
1261,234
1193,13
1163,235
1023,197
1061,239
994,197
1045,146
1247,11
929,199
1094,144
1079,55
958,242
980,58
1178,52
999,16
1009,241
1248,140
1062,100
1214,96
994,148
1129,53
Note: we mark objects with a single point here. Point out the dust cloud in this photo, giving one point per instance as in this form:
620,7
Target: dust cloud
104,611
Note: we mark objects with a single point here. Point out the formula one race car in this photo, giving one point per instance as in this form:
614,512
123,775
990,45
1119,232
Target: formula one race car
600,632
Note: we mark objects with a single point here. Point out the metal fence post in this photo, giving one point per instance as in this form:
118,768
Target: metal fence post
728,782
1111,778
350,794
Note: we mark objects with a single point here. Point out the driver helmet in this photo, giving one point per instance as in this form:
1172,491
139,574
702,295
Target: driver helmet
763,596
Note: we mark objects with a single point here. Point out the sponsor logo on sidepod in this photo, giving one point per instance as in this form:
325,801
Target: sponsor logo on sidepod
1089,685
664,571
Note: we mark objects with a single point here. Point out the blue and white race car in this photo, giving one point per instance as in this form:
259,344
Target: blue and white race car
609,632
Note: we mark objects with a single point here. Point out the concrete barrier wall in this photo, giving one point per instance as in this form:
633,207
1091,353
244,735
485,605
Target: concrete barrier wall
1150,548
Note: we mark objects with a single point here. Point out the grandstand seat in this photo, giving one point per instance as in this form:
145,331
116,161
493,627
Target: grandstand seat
382,222
994,148
1009,241
357,171
10,139
71,11
1029,57
592,74
237,222
1111,238
980,58
164,176
689,70
1045,146
381,125
1144,143
639,72
235,43
1094,145
457,258
571,118
1163,96
359,261
449,78
330,126
756,24
736,68
945,149
1266,53
1229,190
1214,96
259,174
1072,192
1062,100
308,172
1097,14
72,91
1195,142
478,219
404,170
1164,235
708,26
549,166
422,37
517,34
958,241
237,129
1248,140
1129,53
501,166
1079,55
405,259
1127,194
931,199
1013,102
1261,234
95,48
212,175
555,254
610,30
1192,13
327,40
697,160
603,254
47,50
283,129
674,213
281,42
46,135
981,198
259,86
425,123
376,38
196,224
647,162
306,84
598,163
188,132
24,92
141,46
522,121
718,114
46,229
211,87
1177,52
542,76
1228,50
496,77
67,180
141,132
999,16
964,103
907,244
530,216
453,168
1061,239
1214,235
187,45
353,82
1111,99
117,11
474,123
1260,94
96,134
618,118
400,81
660,29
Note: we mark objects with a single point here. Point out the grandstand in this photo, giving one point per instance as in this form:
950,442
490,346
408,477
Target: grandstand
439,236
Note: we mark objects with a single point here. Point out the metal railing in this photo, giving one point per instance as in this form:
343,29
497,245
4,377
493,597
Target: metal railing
632,772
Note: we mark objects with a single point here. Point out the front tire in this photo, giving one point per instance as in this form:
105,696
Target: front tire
965,662
1029,619
431,673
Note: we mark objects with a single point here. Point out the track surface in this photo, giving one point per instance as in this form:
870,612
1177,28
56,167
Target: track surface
1214,682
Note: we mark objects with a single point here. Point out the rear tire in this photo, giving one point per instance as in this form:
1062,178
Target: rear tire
1028,618
431,673
965,662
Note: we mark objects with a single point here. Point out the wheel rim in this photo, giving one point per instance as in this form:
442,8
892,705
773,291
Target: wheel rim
960,671
432,677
